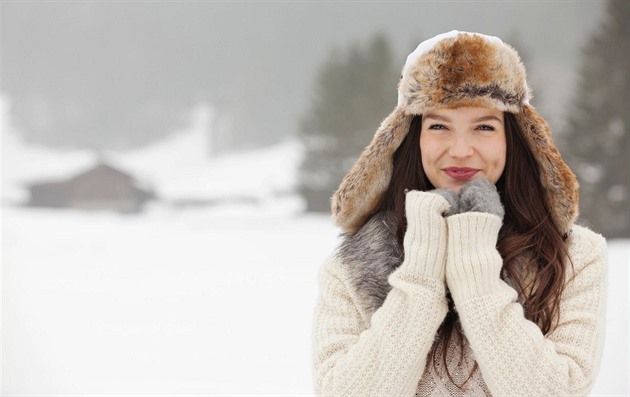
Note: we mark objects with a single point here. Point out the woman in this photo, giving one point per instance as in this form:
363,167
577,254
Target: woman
461,271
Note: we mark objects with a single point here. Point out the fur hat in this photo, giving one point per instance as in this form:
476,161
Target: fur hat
448,71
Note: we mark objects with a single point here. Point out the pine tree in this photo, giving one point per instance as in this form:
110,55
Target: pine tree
354,90
596,141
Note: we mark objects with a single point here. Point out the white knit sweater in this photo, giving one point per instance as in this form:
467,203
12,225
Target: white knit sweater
386,354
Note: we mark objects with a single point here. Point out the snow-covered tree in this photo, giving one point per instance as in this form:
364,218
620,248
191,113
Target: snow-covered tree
595,143
354,90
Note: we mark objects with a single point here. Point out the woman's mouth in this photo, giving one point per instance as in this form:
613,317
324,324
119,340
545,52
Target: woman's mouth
460,173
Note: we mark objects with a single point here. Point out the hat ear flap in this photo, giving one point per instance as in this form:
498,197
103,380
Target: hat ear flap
362,189
561,185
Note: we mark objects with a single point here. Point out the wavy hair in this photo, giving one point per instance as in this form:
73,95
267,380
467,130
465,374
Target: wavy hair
532,248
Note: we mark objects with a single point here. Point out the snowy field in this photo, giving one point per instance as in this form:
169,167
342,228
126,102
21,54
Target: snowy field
167,303
213,302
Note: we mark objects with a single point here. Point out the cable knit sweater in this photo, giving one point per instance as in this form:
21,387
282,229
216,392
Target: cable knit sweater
385,353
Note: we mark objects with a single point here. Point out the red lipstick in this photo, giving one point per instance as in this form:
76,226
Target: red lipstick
460,173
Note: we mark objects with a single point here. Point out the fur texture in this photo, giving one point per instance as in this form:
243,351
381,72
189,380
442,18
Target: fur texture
362,189
465,70
481,196
452,198
372,255
561,186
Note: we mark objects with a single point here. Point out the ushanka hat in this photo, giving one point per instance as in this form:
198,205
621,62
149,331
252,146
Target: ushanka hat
452,70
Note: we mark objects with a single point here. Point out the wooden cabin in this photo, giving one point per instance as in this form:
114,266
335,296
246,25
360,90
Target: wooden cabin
102,187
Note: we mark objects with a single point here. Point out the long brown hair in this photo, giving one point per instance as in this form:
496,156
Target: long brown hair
532,248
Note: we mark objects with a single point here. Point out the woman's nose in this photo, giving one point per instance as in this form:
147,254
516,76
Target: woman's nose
460,147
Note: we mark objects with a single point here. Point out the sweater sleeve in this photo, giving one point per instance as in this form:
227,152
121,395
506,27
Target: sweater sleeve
514,356
386,357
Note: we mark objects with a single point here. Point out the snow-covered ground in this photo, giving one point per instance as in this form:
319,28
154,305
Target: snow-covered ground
185,302
182,300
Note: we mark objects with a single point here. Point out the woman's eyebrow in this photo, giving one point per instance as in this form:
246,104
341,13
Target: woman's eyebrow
487,118
437,117
448,120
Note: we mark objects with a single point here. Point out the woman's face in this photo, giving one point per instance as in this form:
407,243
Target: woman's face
459,145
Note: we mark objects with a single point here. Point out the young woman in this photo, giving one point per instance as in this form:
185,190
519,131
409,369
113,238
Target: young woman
461,271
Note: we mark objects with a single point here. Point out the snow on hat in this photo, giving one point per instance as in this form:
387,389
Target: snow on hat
452,70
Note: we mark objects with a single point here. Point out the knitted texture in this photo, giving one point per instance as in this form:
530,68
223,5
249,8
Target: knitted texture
474,265
426,235
460,360
385,353
386,358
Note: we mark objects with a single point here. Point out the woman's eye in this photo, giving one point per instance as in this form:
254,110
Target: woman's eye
485,127
437,127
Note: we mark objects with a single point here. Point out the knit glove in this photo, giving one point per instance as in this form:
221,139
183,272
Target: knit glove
480,196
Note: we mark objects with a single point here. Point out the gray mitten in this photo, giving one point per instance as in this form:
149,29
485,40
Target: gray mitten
481,196
452,198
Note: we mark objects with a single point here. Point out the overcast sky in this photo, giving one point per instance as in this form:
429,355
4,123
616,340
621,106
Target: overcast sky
256,60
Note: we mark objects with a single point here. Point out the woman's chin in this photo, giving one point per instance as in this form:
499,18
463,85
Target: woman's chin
456,187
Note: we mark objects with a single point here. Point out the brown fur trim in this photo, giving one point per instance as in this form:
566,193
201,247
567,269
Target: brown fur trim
361,190
561,185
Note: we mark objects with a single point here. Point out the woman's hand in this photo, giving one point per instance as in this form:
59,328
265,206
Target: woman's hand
425,240
476,196
453,200
480,196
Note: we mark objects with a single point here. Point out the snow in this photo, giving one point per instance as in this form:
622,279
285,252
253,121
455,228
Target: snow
172,302
22,164
181,167
178,167
214,300
428,44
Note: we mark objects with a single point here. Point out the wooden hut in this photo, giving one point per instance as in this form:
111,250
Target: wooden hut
102,187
